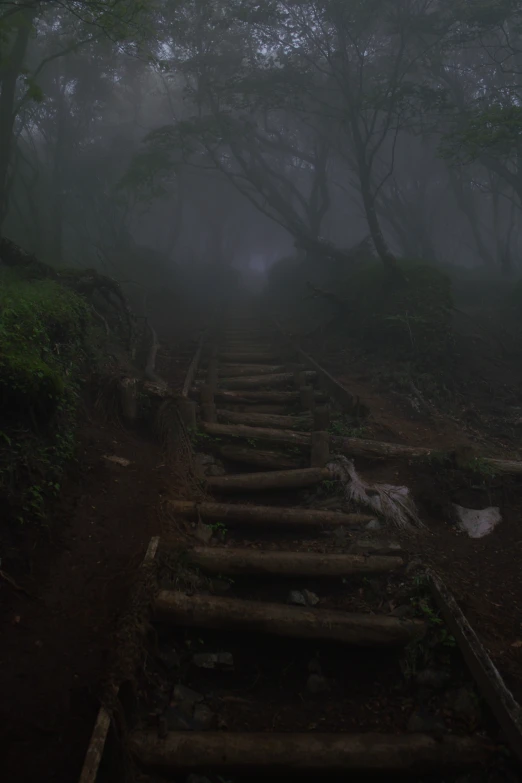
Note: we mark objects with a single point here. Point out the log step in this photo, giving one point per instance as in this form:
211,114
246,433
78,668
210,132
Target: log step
267,397
288,437
269,460
235,513
262,381
276,479
240,370
237,562
249,357
270,410
370,753
302,422
235,614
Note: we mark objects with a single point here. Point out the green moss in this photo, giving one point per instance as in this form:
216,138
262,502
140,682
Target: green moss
405,319
42,349
41,333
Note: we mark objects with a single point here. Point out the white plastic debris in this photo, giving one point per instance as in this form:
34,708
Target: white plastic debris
477,523
393,504
118,460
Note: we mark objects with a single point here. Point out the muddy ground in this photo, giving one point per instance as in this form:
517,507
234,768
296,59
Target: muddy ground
75,575
55,636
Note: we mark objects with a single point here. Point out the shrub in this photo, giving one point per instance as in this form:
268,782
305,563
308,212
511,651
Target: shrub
408,319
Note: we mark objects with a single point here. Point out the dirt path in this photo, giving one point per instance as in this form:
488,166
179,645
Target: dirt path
484,574
54,645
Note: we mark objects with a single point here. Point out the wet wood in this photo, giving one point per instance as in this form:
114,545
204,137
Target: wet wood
96,747
320,453
235,562
269,460
300,439
239,370
288,398
250,358
501,701
269,421
193,368
266,515
372,449
260,381
270,410
359,630
402,754
276,479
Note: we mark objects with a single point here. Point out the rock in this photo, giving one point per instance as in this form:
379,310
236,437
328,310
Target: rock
414,565
303,598
204,718
204,533
216,470
213,660
422,721
405,610
197,779
341,535
374,525
297,598
317,684
464,703
185,698
178,720
169,657
432,678
311,598
219,586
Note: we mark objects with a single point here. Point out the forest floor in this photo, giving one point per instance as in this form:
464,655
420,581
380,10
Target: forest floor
484,417
56,631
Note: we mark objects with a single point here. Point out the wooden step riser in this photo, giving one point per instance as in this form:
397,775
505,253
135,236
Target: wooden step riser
301,422
233,614
269,480
250,562
405,755
281,517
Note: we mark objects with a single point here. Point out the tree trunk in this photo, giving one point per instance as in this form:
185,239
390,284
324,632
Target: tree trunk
9,72
388,754
56,233
246,562
358,630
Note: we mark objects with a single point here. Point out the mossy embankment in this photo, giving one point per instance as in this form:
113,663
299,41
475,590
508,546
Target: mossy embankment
47,337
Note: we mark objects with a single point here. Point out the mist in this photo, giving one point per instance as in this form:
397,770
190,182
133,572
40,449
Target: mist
260,389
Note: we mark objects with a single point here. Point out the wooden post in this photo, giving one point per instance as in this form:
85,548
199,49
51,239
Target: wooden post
212,372
187,410
322,418
320,449
208,408
306,394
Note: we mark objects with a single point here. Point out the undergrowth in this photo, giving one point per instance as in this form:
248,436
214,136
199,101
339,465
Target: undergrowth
46,336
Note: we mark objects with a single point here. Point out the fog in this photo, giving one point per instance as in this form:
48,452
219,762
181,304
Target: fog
165,142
